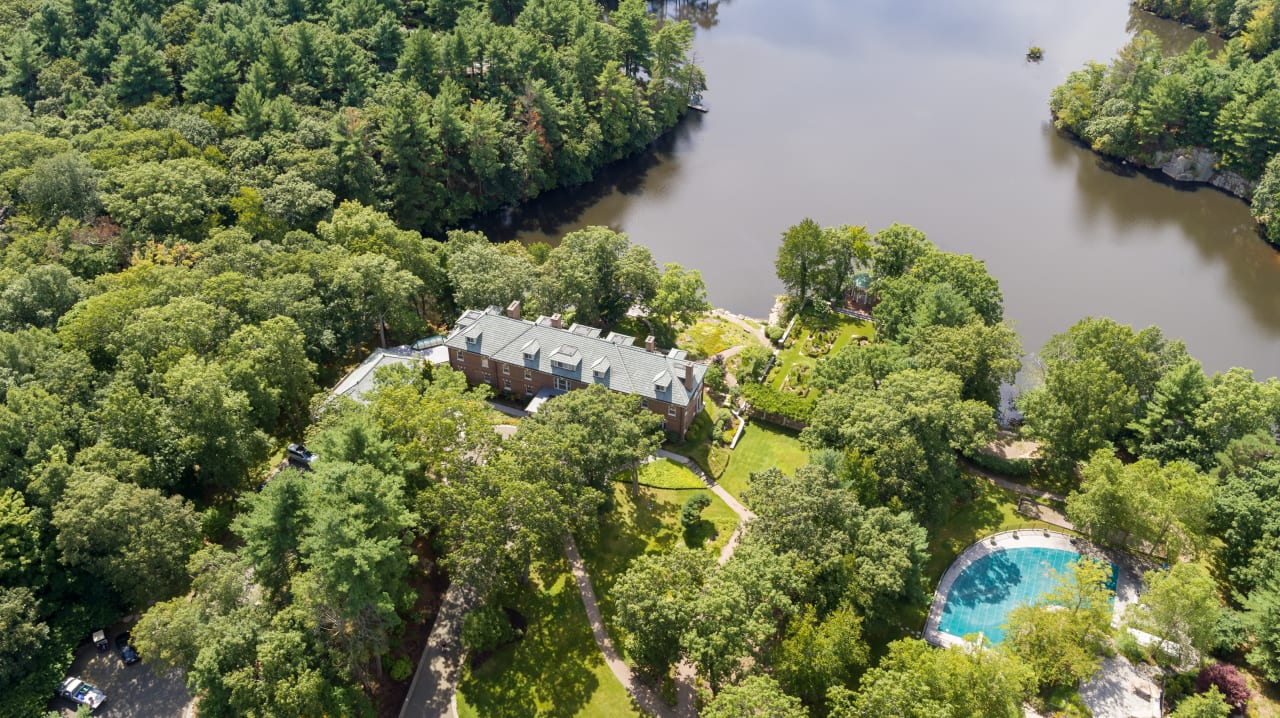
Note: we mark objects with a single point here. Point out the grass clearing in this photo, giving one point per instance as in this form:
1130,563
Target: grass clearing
712,335
762,446
555,670
649,522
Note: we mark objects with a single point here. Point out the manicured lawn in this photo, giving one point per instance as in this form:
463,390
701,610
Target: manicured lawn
666,474
796,360
712,335
697,445
650,523
762,446
555,670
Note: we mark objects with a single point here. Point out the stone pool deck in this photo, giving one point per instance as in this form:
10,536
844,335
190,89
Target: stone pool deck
1128,581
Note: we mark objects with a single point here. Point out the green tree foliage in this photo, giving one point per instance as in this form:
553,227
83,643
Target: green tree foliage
655,602
1180,606
680,297
817,655
740,613
21,547
1165,508
918,681
1262,617
22,633
1061,639
910,427
1099,376
820,262
756,696
132,539
1244,514
64,185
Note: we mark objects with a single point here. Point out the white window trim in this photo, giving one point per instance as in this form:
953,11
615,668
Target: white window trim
671,411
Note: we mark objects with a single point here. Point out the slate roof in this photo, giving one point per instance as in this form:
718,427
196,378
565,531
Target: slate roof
580,354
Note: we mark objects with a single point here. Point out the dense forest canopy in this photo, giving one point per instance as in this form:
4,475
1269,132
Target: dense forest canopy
205,208
273,111
1146,104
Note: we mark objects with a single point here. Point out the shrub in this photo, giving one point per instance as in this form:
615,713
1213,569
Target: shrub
714,378
1235,690
401,668
774,332
768,400
486,628
691,514
1230,633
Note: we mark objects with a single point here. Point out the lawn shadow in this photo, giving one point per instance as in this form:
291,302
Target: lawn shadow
553,664
697,535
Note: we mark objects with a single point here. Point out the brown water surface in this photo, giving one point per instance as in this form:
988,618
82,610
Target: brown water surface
926,112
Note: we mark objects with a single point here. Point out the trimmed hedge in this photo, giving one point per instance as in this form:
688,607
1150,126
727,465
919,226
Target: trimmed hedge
766,399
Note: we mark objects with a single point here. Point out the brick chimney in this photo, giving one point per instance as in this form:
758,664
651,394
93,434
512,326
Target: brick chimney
557,322
649,345
688,376
513,309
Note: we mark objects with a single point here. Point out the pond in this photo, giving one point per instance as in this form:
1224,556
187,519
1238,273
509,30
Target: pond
927,112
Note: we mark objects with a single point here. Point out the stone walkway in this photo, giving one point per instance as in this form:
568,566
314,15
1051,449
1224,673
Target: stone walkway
1002,482
645,697
433,692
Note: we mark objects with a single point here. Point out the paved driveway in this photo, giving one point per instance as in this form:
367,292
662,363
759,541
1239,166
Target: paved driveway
132,691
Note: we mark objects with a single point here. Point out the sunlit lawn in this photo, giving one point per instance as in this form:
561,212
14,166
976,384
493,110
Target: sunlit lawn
649,522
556,670
712,335
762,446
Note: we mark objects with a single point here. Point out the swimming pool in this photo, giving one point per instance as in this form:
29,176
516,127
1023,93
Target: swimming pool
982,595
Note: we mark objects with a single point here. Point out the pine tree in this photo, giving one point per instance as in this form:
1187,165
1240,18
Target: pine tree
420,61
25,63
407,155
213,75
139,72
355,171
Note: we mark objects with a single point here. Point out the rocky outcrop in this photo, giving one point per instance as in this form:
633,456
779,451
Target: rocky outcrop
1197,164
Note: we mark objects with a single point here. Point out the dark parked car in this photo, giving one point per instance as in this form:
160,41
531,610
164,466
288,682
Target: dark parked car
128,654
299,457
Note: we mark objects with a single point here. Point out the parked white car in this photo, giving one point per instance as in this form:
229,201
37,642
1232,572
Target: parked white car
82,693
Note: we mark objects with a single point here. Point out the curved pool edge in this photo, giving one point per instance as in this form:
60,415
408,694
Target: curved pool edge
1126,582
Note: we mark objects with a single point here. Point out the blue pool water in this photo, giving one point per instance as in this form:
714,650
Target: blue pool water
986,591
